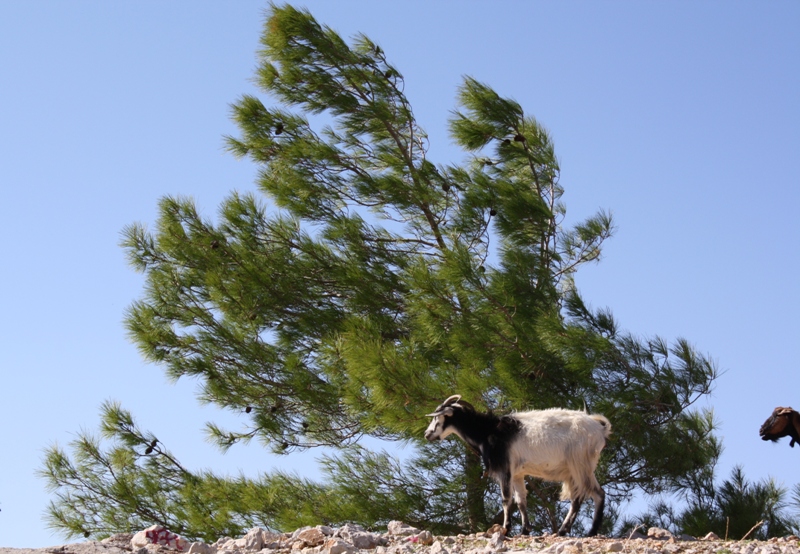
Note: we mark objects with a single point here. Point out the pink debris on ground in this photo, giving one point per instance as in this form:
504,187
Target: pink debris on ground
156,534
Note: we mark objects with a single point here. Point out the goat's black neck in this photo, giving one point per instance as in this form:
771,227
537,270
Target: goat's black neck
489,435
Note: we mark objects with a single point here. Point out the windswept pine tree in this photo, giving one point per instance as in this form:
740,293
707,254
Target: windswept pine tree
360,286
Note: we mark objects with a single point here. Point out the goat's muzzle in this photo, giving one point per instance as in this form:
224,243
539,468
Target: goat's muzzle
764,431
432,435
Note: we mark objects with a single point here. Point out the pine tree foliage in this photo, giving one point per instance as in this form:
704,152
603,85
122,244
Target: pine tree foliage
137,483
734,509
365,284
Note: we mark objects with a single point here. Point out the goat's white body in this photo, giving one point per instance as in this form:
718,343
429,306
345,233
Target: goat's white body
559,445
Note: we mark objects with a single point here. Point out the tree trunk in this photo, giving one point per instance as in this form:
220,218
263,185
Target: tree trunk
476,510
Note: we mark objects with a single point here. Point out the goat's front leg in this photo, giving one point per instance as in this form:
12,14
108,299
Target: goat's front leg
508,498
521,497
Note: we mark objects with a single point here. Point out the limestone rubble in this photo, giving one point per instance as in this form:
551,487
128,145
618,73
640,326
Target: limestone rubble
404,539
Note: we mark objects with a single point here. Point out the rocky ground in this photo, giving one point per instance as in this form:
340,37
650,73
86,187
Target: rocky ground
403,539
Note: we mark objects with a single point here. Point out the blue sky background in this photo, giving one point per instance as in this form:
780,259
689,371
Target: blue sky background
681,118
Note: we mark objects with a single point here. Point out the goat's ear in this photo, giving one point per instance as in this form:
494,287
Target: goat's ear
442,411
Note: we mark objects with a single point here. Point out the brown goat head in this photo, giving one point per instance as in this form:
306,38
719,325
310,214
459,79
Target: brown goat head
783,422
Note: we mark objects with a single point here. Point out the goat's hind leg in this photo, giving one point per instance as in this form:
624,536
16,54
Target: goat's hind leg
599,497
572,514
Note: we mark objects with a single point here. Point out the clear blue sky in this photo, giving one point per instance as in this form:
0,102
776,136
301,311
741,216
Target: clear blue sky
682,118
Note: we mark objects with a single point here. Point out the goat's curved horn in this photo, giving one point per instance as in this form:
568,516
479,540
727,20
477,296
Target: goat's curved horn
467,405
449,402
781,411
452,400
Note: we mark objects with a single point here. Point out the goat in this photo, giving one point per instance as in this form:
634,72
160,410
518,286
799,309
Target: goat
782,422
555,445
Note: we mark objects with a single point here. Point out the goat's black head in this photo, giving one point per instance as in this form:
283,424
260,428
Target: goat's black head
439,427
783,422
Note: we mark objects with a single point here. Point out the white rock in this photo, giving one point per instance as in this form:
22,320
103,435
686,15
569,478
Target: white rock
496,543
424,538
158,535
553,549
615,546
358,537
658,533
672,548
338,546
227,545
138,540
348,529
566,547
253,541
202,548
366,541
120,540
298,531
401,529
311,537
273,541
496,528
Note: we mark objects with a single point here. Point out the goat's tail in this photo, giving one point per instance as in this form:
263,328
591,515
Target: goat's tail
602,420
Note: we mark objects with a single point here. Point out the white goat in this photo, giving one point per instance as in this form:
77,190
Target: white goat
555,445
